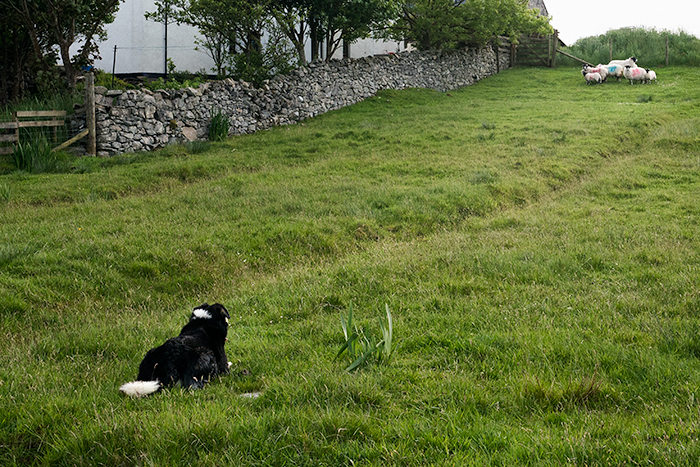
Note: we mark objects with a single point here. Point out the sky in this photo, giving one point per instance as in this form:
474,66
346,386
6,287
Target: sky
576,19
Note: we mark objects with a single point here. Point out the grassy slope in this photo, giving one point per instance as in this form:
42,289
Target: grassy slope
536,239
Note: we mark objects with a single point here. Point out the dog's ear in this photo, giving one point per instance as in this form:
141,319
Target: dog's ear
203,306
222,311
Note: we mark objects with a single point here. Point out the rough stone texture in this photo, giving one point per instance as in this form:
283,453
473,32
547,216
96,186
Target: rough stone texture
142,120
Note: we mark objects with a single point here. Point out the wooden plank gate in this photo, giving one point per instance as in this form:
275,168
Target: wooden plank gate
9,131
537,50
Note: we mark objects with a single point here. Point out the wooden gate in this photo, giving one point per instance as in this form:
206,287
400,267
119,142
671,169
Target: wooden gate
9,131
537,51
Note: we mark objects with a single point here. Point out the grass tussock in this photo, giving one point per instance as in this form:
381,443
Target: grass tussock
540,264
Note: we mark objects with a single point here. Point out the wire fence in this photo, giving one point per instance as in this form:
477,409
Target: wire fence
54,129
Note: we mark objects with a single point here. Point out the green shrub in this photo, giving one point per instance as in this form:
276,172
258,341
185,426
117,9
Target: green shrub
160,83
218,126
38,157
361,346
647,45
110,81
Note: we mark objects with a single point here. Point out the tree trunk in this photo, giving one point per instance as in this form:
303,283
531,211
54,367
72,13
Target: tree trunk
26,17
314,41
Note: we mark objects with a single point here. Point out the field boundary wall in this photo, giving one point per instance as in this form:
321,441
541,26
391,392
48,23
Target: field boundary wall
140,120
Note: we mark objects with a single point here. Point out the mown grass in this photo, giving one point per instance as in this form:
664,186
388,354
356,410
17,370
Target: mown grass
536,240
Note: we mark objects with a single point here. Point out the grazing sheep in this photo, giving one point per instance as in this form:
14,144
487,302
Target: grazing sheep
593,78
614,70
632,62
600,69
617,67
651,75
635,74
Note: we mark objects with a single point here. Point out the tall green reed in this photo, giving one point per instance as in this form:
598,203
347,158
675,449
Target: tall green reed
361,346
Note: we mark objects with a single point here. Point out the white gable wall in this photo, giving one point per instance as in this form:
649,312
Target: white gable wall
141,43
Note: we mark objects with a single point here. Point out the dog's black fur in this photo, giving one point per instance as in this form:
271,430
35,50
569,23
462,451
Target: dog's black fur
189,359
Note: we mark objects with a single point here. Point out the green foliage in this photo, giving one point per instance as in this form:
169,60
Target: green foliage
444,24
110,82
198,146
38,157
175,82
648,45
250,67
349,20
361,347
33,157
219,126
263,63
56,25
5,193
58,101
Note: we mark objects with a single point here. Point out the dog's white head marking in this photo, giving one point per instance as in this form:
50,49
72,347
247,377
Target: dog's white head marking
201,313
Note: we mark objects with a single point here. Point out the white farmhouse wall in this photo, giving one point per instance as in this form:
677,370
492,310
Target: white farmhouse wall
141,43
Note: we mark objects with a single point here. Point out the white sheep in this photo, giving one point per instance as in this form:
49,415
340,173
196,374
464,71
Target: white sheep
635,74
614,70
651,75
600,69
632,62
593,78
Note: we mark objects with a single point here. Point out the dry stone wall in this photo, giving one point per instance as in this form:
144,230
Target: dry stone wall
129,121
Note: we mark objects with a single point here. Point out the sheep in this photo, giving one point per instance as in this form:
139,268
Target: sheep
635,74
600,69
613,70
632,62
593,78
651,75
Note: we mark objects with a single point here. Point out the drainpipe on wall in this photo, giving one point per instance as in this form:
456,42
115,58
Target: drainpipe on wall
165,68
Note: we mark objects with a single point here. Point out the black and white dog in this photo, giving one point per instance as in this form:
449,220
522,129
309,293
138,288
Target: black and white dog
190,359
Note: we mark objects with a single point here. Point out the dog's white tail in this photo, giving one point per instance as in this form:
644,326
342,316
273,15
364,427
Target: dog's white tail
140,388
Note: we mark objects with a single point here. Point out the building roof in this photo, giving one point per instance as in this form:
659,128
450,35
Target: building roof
538,4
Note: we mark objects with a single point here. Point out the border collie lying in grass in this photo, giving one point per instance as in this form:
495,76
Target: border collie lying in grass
190,359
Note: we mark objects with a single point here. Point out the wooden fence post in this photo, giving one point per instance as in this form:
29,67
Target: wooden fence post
555,41
90,113
16,120
667,51
495,46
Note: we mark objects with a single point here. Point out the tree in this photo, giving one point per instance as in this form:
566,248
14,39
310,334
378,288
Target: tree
349,20
227,26
293,18
440,24
63,23
15,59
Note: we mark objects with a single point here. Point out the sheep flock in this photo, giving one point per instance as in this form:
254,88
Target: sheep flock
619,69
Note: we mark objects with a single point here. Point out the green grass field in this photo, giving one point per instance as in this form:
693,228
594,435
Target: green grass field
536,240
